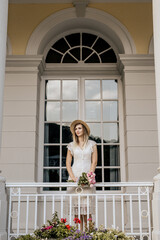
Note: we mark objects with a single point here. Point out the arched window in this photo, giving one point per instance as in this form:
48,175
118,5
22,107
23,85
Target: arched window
81,47
93,99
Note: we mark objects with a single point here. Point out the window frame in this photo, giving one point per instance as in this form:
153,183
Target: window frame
70,76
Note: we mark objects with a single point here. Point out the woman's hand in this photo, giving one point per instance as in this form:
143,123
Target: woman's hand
75,179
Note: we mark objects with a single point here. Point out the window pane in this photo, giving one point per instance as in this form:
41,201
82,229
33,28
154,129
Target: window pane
111,156
52,133
99,163
52,111
64,175
69,111
93,111
110,111
112,175
95,132
51,175
109,89
110,132
64,154
53,89
92,89
66,133
98,173
51,156
69,90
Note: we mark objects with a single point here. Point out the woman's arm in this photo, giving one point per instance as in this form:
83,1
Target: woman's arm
68,165
94,159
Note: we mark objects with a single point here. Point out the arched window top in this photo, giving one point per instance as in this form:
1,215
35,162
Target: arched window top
81,47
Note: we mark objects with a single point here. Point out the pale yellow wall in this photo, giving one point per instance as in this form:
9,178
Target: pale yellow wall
24,18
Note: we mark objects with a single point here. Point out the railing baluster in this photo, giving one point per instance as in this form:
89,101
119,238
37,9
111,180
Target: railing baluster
114,212
70,201
79,209
96,211
9,216
131,213
44,212
53,204
122,211
149,214
61,206
140,212
88,206
19,207
35,218
27,213
105,212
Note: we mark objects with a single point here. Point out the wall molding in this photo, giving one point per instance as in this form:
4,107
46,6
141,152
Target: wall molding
71,1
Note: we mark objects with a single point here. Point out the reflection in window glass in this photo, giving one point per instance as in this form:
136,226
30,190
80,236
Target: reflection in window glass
92,89
110,132
98,175
64,175
110,111
93,111
99,162
111,155
66,133
95,131
52,111
69,111
109,89
51,175
52,133
69,91
111,175
51,156
53,89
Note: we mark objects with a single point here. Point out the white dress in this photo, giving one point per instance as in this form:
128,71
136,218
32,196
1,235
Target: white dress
82,163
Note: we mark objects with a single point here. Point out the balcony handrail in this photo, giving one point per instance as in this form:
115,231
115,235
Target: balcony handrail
69,184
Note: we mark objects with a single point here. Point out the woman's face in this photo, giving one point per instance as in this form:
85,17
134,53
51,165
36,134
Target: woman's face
79,130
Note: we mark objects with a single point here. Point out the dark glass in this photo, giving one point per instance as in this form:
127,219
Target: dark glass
99,163
74,39
69,59
111,175
51,156
53,57
88,39
61,45
64,175
66,134
85,53
52,133
64,154
100,45
108,57
51,175
98,173
111,155
93,59
76,52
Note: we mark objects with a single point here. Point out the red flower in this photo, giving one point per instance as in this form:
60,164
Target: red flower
68,227
76,220
63,220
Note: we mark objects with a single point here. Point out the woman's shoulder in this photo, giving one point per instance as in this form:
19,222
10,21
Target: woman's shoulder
92,142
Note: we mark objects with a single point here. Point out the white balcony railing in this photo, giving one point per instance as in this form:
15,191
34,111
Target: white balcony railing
128,208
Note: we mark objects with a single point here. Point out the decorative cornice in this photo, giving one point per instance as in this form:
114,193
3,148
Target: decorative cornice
136,62
25,63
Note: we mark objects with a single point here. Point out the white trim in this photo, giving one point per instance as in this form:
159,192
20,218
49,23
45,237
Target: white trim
70,1
66,20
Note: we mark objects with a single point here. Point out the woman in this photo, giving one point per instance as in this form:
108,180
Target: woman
84,152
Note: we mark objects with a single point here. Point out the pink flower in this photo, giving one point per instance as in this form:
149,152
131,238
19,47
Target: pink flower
89,219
